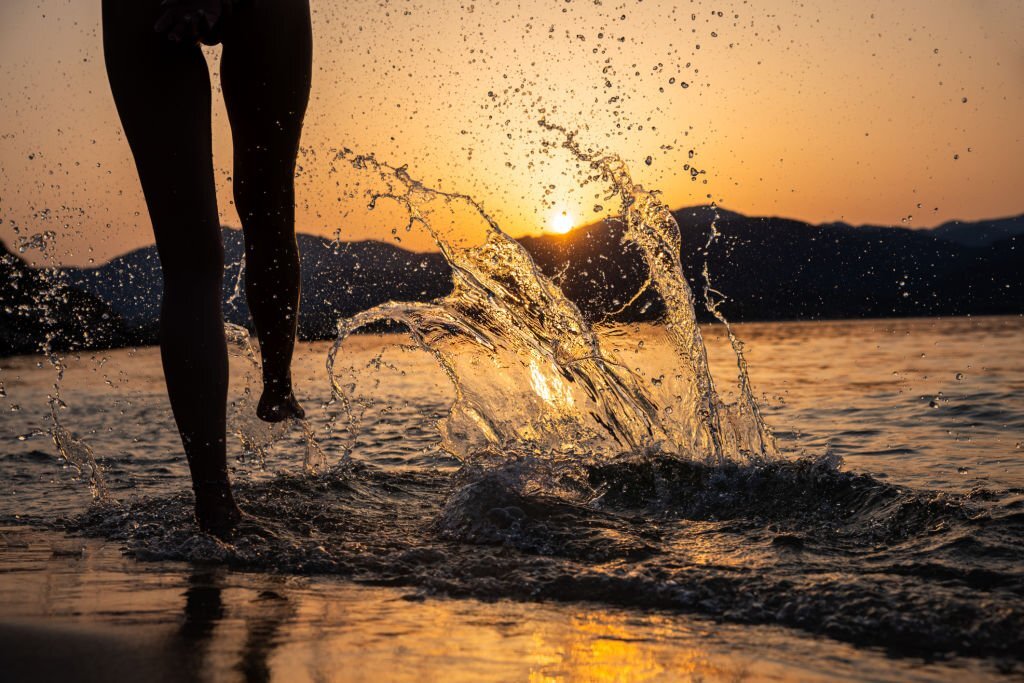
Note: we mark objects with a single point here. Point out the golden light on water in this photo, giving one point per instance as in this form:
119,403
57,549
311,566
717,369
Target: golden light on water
438,639
549,385
561,222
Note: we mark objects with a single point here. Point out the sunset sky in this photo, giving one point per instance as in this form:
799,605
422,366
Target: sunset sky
868,112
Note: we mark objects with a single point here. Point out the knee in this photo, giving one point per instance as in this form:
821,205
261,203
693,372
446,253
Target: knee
196,266
270,252
264,201
264,187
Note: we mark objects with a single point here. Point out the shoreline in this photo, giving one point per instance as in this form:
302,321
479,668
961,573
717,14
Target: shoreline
77,609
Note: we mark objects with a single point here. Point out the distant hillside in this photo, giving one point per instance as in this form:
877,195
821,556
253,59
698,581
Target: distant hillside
776,268
37,306
770,268
338,279
981,233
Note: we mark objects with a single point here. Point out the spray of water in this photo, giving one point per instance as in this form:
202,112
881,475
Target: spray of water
530,374
650,226
75,452
762,437
257,438
528,371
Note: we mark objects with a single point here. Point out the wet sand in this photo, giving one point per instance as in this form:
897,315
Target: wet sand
44,649
79,610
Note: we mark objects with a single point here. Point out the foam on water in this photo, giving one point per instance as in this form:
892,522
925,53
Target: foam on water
795,543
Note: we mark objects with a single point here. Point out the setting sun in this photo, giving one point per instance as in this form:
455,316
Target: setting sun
562,222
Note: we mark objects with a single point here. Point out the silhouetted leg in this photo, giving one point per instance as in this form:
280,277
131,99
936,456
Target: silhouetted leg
265,74
162,93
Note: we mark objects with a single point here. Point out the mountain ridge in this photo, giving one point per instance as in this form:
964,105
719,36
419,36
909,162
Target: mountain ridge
770,268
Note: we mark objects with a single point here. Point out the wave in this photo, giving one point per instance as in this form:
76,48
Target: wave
800,544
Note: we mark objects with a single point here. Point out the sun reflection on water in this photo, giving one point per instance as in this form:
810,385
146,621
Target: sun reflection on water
549,385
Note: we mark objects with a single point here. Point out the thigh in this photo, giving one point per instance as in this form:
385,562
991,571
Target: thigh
162,93
265,74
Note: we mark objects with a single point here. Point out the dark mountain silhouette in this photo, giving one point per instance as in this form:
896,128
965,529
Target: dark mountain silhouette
338,279
981,233
39,307
769,269
775,268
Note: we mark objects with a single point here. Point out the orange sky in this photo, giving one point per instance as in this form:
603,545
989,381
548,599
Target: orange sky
830,110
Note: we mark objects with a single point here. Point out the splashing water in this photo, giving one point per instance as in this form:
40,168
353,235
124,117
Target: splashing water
729,430
762,434
75,452
700,516
256,437
530,374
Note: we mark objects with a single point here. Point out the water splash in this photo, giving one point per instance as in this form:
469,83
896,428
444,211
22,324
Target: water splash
728,430
257,438
75,452
505,337
764,439
237,287
530,374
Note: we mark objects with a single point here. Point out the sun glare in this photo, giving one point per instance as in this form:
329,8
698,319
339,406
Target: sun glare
561,222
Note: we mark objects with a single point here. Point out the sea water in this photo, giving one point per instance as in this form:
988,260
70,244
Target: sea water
502,446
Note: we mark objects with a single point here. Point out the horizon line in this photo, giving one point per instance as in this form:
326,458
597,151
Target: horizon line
547,234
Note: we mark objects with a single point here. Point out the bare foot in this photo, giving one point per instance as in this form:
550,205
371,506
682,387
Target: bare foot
275,406
251,525
216,510
240,524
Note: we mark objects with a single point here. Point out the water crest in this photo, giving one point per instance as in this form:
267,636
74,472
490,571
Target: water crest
531,374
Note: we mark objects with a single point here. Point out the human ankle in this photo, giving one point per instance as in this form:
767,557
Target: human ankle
278,386
216,492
